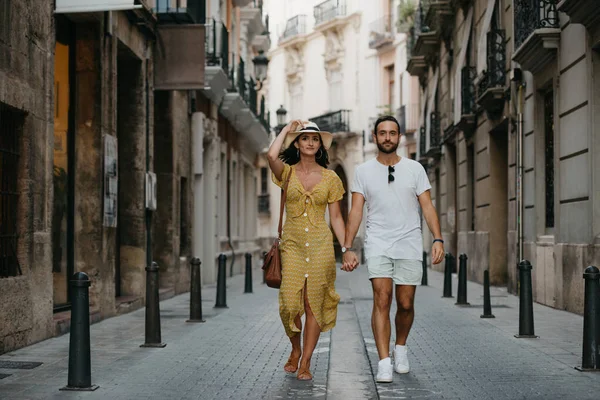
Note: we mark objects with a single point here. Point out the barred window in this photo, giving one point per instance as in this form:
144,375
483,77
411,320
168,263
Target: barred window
11,125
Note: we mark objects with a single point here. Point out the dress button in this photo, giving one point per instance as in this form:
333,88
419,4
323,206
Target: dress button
306,275
306,244
306,229
307,259
305,214
306,201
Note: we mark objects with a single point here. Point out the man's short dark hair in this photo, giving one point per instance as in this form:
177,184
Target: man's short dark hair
384,118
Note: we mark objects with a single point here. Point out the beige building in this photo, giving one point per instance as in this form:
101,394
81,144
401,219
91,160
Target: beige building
509,137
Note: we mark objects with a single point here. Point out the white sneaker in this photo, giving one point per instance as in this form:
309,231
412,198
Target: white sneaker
401,359
385,371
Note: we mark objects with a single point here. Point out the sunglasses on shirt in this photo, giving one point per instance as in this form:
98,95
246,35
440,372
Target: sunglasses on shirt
390,172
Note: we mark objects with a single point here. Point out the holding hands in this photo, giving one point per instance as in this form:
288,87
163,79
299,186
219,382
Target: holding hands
350,261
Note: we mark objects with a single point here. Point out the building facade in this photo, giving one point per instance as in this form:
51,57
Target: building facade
509,137
118,96
341,65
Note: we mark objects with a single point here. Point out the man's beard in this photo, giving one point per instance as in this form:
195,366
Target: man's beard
387,151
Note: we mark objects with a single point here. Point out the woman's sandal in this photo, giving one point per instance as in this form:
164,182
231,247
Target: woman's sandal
291,365
304,374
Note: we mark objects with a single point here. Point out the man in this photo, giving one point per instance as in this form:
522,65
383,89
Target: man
393,188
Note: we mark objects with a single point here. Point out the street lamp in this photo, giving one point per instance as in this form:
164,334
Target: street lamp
261,62
281,118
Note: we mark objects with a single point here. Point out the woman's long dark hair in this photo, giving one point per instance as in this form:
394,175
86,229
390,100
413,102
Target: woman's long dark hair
291,155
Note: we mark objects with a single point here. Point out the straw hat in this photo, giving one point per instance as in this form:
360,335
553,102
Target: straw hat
309,127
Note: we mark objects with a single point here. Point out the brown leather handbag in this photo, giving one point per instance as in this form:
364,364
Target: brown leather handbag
272,261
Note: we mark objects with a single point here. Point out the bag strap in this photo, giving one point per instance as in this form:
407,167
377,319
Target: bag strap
282,205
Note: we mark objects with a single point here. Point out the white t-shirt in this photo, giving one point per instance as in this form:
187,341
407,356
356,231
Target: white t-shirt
393,220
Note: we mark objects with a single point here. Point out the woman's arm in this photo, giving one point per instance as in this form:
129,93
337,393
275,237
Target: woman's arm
337,222
275,163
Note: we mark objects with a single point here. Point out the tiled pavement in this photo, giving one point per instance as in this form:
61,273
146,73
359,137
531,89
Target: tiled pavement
240,351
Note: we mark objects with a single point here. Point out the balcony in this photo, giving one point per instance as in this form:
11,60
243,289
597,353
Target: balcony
295,27
180,11
217,61
264,206
468,119
408,118
441,17
427,40
492,84
435,137
537,33
253,17
417,65
262,40
380,32
328,11
334,122
585,12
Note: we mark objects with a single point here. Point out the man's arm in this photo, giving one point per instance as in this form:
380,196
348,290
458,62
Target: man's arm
354,219
431,217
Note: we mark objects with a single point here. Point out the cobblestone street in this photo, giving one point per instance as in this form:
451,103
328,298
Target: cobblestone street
240,351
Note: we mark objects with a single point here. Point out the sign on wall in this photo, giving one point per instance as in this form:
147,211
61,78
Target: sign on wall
111,181
75,6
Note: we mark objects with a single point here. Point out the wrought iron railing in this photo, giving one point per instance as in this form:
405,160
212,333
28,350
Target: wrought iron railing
467,87
408,118
337,121
420,24
181,11
241,79
294,26
11,124
422,141
410,42
217,45
264,206
264,118
435,137
328,10
534,14
380,31
495,74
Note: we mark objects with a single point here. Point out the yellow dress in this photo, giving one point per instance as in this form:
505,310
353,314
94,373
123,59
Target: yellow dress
307,253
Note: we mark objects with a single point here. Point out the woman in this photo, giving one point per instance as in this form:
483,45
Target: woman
307,256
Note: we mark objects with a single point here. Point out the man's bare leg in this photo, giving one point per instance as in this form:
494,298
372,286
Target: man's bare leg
380,318
405,315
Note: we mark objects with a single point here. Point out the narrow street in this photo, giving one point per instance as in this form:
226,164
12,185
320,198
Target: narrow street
239,352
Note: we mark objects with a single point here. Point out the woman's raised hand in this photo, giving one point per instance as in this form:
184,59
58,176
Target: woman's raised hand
292,126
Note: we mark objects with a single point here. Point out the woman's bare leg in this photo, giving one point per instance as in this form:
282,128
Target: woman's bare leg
292,364
312,331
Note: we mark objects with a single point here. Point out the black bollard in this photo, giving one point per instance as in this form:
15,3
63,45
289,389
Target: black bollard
487,303
80,366
525,302
195,293
590,360
424,277
248,285
221,283
448,276
153,334
461,292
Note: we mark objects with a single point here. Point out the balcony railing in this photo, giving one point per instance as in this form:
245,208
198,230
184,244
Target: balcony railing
408,118
180,11
422,142
534,14
420,24
467,87
294,26
495,75
217,45
435,137
264,118
380,32
337,121
264,203
328,10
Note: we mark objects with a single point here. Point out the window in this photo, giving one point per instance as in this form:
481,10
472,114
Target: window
11,125
390,89
263,197
296,103
184,236
549,156
335,90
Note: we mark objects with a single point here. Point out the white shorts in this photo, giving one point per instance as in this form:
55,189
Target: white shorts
403,272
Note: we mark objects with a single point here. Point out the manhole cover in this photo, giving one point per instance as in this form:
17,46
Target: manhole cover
2,376
19,364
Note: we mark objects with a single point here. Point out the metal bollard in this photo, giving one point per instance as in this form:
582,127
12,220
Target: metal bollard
487,303
525,301
195,292
424,277
222,283
153,334
80,366
590,360
448,276
461,292
248,285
